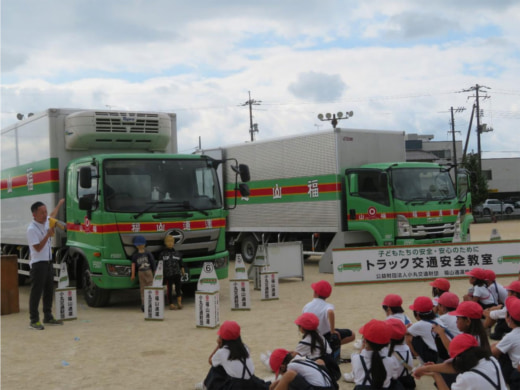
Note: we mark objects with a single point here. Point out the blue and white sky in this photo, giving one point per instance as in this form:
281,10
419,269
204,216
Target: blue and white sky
398,64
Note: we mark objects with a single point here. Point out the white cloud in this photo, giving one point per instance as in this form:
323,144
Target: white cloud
396,64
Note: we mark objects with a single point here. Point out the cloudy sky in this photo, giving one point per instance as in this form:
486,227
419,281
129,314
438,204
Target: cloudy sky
398,65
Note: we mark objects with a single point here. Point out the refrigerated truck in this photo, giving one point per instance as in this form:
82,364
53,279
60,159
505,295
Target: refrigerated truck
341,188
121,176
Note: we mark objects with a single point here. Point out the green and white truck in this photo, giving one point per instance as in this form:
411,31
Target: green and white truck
121,177
342,188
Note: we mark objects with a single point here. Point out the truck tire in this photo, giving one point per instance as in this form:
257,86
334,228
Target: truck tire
94,296
248,248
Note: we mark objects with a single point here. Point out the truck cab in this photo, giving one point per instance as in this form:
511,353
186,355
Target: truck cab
406,204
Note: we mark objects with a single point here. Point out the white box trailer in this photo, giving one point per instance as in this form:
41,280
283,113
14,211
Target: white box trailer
55,137
274,163
336,189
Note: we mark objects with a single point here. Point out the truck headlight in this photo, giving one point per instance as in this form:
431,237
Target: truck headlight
403,226
119,270
220,262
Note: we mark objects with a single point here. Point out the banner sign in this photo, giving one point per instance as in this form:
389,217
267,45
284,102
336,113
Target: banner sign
240,294
420,262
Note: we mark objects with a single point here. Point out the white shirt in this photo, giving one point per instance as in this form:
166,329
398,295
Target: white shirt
405,352
499,292
423,329
498,314
312,375
35,233
484,295
234,368
450,323
400,316
510,344
472,381
359,373
304,349
320,307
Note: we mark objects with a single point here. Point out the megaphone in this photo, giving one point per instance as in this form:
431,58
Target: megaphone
53,222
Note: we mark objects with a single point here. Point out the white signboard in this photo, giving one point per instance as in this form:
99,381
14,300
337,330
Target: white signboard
66,303
154,303
208,281
240,267
158,277
240,294
407,263
286,258
269,285
207,309
63,280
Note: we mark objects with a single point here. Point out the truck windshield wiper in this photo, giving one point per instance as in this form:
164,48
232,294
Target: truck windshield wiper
416,201
155,203
187,205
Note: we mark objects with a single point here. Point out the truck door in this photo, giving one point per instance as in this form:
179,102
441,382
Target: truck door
368,204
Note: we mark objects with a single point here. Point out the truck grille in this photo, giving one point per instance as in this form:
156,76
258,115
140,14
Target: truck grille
127,122
433,230
195,243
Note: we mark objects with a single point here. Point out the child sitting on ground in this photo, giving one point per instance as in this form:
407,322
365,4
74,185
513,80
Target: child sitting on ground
392,305
325,313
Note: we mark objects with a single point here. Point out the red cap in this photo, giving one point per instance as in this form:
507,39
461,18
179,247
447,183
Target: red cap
276,359
322,288
514,286
441,284
392,300
468,309
397,328
462,342
449,299
490,275
513,307
477,273
308,321
376,331
422,305
229,330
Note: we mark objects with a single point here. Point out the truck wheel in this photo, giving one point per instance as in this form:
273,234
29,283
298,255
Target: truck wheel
94,296
248,249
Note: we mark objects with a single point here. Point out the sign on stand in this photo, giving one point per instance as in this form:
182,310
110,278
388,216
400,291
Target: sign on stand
207,300
207,309
240,294
239,287
269,285
422,262
66,302
259,265
154,303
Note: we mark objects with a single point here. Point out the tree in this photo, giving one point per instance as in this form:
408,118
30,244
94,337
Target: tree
478,185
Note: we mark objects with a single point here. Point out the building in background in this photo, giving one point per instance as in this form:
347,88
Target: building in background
502,173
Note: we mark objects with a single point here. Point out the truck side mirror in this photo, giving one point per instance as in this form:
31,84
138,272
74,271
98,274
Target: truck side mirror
244,190
85,177
244,173
86,202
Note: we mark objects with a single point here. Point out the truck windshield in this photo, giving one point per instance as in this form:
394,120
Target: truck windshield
133,185
422,184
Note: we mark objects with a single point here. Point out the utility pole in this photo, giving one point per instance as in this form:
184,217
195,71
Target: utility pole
252,128
459,109
477,89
